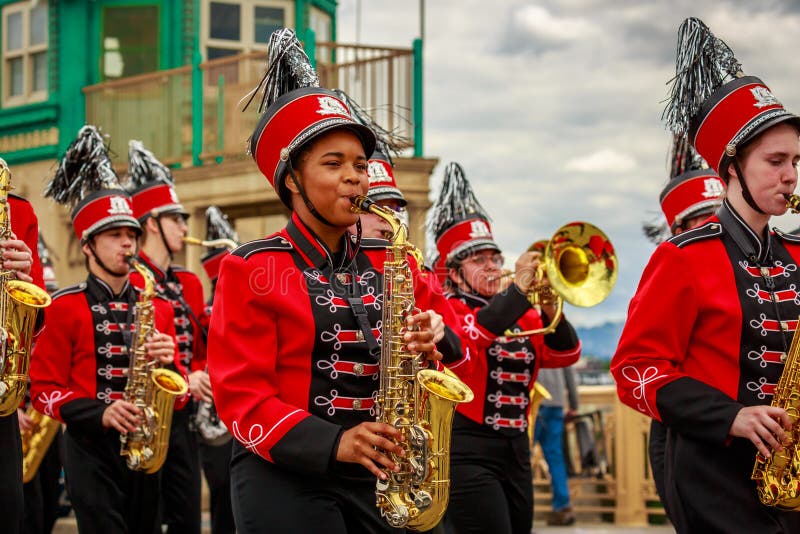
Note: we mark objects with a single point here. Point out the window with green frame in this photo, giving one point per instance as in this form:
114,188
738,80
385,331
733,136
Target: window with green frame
24,53
236,26
129,41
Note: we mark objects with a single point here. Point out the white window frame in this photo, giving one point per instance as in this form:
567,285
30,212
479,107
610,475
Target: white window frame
27,53
247,41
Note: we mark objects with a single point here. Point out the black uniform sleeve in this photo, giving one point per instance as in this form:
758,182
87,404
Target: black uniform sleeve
450,346
503,310
85,415
563,337
309,446
697,410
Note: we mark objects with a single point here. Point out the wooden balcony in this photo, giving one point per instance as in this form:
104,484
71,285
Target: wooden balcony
192,115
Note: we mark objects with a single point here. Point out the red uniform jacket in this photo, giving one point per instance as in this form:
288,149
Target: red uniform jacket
80,360
180,288
26,227
289,364
504,370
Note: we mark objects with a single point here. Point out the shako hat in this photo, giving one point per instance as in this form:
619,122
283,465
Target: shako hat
713,102
86,182
457,223
295,111
151,183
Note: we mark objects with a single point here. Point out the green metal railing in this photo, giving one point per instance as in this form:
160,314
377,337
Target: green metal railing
192,115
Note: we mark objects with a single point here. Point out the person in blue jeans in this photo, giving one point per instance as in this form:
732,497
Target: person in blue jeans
549,432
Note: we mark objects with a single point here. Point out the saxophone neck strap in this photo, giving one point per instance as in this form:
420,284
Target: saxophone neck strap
360,313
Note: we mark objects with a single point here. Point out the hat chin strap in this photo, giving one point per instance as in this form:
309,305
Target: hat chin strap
99,262
163,239
308,203
745,190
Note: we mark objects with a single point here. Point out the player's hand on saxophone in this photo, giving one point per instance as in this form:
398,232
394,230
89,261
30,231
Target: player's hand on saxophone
424,330
367,444
122,416
764,426
161,347
17,257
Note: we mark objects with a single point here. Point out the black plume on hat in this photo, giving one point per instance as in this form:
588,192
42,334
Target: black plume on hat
704,63
387,143
456,202
218,226
84,169
288,68
144,168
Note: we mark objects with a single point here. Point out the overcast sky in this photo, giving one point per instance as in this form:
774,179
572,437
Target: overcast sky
553,107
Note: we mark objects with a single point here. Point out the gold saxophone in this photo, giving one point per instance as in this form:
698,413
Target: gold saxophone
19,304
778,477
150,388
417,401
36,441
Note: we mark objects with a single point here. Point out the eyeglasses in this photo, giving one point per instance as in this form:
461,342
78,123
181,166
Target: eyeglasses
482,261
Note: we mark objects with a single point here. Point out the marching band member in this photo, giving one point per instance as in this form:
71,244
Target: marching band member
692,195
216,459
491,482
703,347
295,316
163,219
17,255
80,362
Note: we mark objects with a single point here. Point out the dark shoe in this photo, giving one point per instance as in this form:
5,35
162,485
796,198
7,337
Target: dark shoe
561,518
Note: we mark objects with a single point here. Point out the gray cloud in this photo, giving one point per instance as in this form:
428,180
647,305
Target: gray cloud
516,102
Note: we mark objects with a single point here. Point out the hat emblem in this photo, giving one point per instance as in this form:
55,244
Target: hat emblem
764,97
377,173
119,206
713,188
330,106
479,229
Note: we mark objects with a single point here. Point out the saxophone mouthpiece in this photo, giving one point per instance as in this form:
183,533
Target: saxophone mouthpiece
191,240
793,202
360,203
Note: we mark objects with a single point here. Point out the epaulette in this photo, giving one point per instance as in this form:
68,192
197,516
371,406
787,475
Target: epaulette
275,242
374,242
786,236
701,233
77,288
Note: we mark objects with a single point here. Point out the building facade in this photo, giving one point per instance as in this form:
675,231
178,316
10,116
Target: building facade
171,73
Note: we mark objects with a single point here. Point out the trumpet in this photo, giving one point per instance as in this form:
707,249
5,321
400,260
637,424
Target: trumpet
581,266
230,244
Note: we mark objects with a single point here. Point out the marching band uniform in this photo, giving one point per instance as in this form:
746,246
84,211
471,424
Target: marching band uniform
289,344
692,194
491,489
25,227
725,279
79,368
180,481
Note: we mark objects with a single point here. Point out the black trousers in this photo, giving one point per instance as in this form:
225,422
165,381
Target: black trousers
216,463
656,446
11,497
43,492
268,498
491,489
107,497
180,478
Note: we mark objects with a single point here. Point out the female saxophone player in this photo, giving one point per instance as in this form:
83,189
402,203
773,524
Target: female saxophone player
711,323
297,319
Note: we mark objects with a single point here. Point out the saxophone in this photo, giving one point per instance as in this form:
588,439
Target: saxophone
418,401
36,442
150,388
19,304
